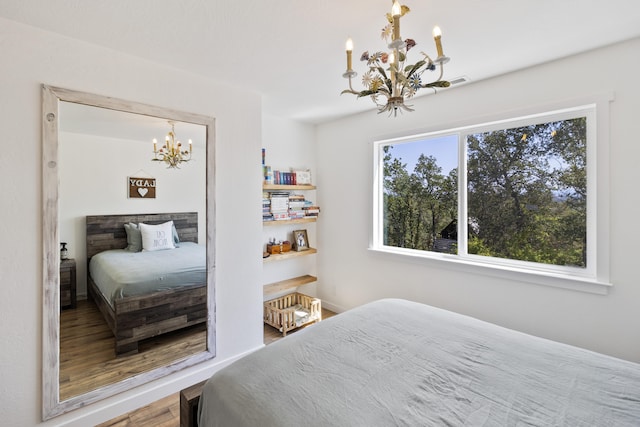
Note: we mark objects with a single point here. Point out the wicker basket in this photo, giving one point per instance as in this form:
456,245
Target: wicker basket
292,311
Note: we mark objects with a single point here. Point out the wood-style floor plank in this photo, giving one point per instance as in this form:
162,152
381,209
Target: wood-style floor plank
87,351
166,412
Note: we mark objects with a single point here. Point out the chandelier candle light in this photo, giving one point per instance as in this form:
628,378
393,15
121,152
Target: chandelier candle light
171,152
400,80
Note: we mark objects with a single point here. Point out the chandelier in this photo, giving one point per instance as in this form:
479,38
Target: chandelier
171,152
390,79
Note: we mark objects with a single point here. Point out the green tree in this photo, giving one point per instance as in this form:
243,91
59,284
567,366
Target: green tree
399,206
417,205
526,191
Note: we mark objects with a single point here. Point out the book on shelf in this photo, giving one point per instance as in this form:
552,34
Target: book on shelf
284,178
296,205
279,203
289,177
294,214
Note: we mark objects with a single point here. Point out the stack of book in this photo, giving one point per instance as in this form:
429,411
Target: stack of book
296,206
311,211
266,208
282,206
279,205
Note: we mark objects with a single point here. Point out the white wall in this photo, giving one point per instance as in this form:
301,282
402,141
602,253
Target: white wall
32,57
94,173
351,275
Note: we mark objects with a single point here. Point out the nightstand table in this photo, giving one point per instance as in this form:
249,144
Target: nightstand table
68,283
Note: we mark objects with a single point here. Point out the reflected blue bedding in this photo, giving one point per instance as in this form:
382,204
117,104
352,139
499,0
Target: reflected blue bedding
119,273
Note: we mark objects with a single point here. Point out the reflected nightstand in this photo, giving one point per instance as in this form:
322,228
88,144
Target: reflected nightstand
67,283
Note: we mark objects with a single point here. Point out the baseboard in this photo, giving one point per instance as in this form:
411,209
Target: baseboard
332,307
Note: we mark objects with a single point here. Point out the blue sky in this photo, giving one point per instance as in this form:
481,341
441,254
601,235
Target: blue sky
444,149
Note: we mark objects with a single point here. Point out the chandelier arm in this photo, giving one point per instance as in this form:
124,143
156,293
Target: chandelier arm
350,90
351,85
439,82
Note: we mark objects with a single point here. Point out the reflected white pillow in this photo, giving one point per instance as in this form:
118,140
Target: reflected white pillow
157,237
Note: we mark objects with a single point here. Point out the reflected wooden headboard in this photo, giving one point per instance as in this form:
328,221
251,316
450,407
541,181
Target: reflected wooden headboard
106,232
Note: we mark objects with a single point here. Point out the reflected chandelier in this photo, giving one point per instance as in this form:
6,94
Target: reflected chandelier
399,80
171,152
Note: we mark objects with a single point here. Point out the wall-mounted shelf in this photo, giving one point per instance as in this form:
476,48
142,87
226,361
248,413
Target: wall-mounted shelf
290,221
282,285
287,187
289,255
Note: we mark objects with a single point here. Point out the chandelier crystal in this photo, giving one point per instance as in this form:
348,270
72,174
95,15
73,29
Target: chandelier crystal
391,79
171,152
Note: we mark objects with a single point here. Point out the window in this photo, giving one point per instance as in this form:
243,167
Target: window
515,195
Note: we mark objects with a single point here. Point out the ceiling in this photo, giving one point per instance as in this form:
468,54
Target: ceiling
292,51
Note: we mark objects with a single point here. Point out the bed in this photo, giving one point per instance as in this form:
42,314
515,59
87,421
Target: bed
139,310
400,363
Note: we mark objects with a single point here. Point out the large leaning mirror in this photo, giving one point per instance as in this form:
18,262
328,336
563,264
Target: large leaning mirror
118,206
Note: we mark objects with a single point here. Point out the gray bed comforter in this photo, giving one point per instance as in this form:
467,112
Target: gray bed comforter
400,363
119,273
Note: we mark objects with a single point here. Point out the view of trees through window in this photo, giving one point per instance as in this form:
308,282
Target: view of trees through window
525,192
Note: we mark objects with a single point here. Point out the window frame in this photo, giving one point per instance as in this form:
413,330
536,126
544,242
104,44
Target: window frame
594,278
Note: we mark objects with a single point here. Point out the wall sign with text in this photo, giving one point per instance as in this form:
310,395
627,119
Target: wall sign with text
142,188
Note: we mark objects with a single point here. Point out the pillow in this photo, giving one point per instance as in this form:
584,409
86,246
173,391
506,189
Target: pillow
134,237
157,237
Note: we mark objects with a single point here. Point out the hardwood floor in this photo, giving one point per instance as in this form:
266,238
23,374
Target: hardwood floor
87,355
166,412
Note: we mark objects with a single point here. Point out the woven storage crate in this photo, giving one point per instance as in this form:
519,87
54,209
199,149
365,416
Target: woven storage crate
292,311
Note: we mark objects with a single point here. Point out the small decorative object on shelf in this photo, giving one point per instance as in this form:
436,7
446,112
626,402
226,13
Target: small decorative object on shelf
300,240
302,177
277,247
64,252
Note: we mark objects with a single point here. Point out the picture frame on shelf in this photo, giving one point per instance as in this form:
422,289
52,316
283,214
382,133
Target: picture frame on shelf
300,240
303,177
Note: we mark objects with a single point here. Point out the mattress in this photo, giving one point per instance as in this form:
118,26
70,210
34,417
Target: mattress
401,363
120,273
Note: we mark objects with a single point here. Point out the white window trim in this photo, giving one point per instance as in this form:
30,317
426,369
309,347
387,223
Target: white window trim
594,278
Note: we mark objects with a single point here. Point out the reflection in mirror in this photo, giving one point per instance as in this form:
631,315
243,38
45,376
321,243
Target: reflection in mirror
108,330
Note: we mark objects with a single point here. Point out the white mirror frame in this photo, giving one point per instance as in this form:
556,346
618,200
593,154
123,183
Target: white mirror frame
51,96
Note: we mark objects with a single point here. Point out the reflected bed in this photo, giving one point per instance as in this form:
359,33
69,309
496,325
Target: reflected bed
137,306
400,363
